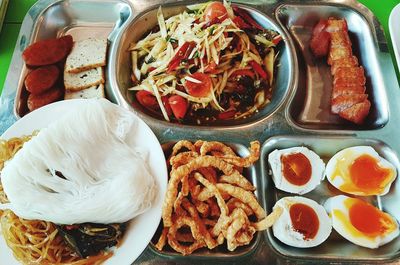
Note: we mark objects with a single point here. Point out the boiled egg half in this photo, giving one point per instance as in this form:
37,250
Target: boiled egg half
296,170
360,222
360,170
303,222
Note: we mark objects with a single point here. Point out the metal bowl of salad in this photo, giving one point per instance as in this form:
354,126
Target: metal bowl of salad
213,63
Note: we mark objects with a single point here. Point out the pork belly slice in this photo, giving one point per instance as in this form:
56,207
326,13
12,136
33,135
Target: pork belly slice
344,101
357,112
349,81
336,25
343,62
336,53
340,39
348,72
345,90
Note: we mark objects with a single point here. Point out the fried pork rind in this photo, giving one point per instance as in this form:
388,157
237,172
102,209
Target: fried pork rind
208,194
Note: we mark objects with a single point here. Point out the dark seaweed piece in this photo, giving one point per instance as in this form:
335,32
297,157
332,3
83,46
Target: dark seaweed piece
89,239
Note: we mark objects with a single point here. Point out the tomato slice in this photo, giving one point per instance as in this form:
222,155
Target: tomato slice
215,10
166,104
178,105
147,99
201,88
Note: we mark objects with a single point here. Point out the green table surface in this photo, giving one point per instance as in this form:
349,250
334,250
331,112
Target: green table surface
18,8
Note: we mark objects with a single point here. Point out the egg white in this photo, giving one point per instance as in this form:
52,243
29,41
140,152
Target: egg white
350,155
317,170
337,203
283,227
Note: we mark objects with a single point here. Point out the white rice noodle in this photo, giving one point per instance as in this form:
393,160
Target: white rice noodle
104,178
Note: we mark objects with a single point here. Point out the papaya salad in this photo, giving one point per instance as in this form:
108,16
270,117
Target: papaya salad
211,62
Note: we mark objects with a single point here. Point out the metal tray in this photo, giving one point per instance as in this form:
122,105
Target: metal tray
335,247
281,119
59,18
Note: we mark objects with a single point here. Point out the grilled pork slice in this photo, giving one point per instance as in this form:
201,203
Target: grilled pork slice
336,25
345,101
357,112
336,53
343,62
344,90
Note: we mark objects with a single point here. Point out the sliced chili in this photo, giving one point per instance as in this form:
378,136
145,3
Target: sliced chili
226,115
239,22
215,20
276,39
257,67
182,54
246,17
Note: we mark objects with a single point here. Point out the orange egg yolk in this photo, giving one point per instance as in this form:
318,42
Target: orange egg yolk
304,220
296,168
366,174
368,219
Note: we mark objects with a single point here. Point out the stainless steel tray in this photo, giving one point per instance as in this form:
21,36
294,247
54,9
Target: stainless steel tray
301,125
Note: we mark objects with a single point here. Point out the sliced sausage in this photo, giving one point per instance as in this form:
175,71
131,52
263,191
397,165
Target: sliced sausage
345,101
47,52
357,113
320,44
40,100
42,79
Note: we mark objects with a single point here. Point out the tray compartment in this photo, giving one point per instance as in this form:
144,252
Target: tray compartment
76,18
310,107
220,251
335,247
144,22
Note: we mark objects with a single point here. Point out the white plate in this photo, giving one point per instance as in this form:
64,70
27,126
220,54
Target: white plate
394,24
142,228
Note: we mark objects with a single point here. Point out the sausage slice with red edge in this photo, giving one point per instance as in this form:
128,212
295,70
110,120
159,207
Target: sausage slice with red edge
49,96
42,79
47,52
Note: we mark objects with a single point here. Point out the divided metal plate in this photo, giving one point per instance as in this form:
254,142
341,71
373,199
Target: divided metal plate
298,108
